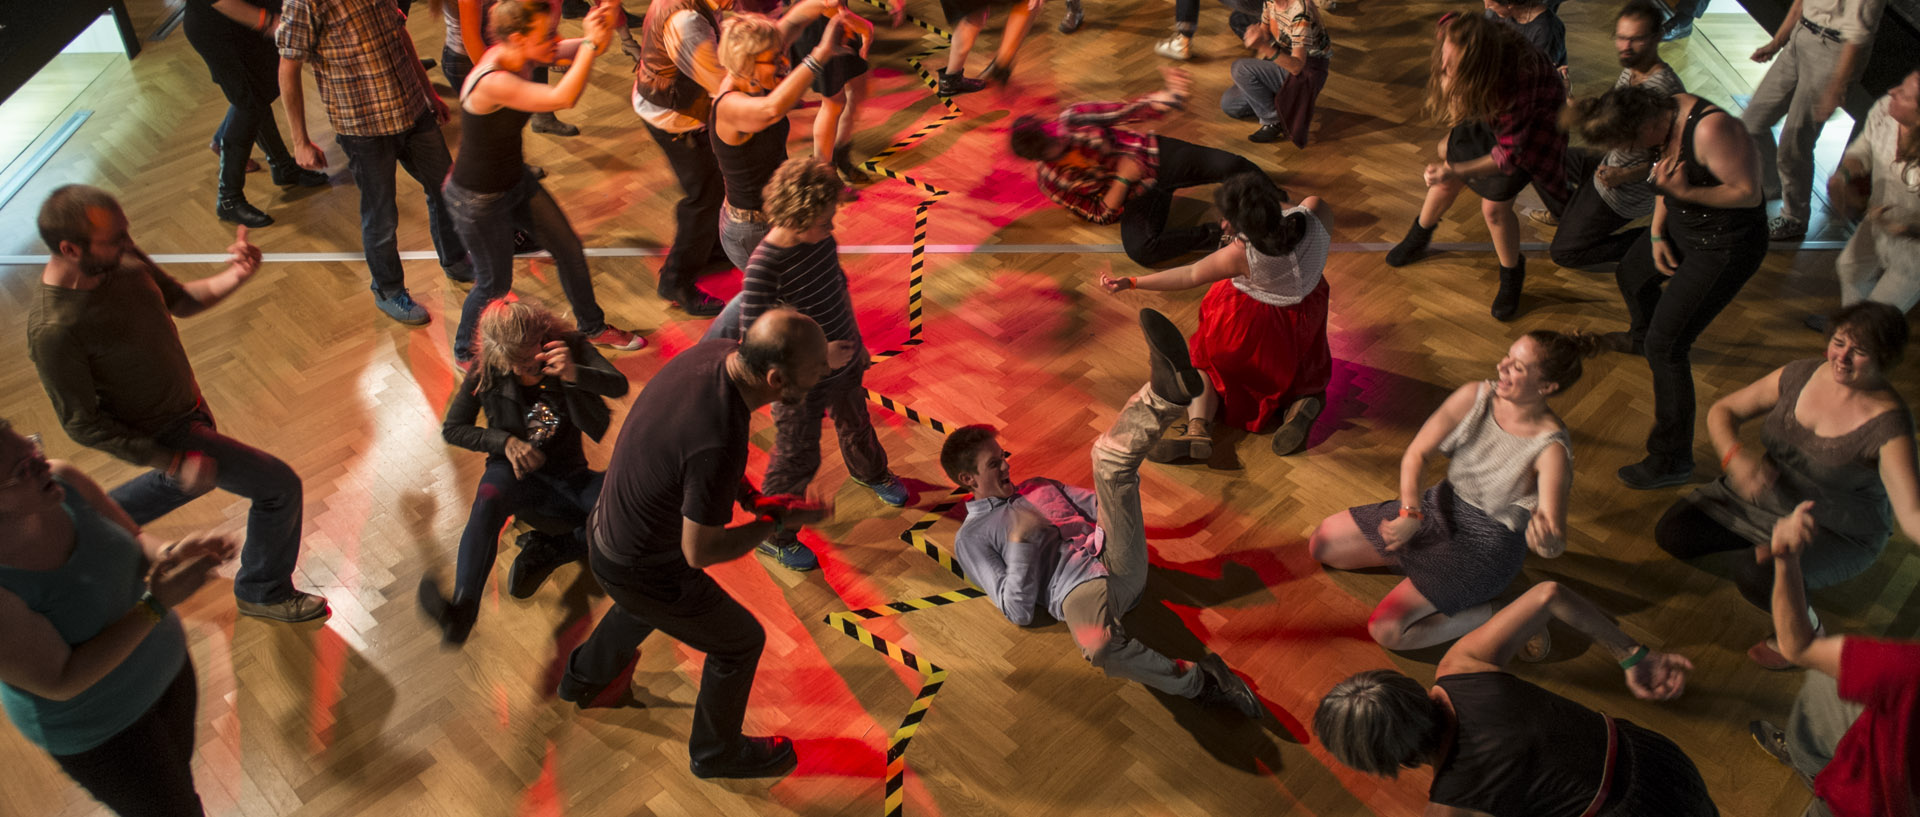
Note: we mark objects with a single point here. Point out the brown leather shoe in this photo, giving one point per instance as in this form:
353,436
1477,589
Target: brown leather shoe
301,607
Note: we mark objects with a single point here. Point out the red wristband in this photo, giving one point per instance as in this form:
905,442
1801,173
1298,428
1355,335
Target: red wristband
1728,459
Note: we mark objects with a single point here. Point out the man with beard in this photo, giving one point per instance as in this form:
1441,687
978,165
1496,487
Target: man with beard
101,333
1613,188
675,473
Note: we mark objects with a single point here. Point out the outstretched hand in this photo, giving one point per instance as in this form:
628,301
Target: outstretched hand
243,259
1661,676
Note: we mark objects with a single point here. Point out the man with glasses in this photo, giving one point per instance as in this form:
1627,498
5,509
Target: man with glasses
1613,188
101,333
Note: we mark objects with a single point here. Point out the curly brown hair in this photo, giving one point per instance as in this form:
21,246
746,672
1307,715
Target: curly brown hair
1614,119
1487,52
800,192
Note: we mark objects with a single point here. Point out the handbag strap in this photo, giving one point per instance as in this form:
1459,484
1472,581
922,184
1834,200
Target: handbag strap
1606,771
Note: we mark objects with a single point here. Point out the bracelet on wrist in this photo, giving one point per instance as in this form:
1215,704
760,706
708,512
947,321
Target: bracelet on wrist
1639,654
1728,459
1133,283
812,64
1409,510
1654,238
151,607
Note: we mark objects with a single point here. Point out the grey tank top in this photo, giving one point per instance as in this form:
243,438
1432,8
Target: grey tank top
1492,469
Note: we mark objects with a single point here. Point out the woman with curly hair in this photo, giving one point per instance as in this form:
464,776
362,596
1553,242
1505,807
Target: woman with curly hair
1708,236
1263,327
1501,98
1879,180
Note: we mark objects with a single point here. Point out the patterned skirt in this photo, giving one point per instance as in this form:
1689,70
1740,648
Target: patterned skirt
1459,558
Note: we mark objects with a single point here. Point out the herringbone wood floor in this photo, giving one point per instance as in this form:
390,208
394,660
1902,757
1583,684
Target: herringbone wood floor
368,715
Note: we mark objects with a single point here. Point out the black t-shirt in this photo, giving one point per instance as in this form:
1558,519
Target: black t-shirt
549,427
680,454
1520,751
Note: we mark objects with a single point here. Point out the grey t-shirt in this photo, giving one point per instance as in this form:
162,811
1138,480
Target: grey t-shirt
1635,199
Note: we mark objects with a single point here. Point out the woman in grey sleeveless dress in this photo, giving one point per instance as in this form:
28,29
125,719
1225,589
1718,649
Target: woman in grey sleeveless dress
1463,540
1836,433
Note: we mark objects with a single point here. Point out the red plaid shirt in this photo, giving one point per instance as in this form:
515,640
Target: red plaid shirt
1079,180
1527,134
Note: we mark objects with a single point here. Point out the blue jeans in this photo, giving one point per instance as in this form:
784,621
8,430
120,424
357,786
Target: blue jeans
423,152
739,238
568,495
1255,82
486,222
273,523
727,325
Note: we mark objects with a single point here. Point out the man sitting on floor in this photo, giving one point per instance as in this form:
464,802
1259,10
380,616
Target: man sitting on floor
1084,554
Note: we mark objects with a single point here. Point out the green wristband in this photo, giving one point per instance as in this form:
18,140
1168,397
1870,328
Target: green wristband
1639,654
1654,238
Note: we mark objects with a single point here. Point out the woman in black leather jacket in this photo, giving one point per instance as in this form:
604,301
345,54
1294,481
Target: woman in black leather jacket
541,386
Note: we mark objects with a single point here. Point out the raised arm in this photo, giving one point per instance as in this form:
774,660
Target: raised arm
1219,265
1651,675
753,114
1791,625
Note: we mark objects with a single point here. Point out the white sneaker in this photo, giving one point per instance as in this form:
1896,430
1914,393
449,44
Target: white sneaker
1178,47
1541,216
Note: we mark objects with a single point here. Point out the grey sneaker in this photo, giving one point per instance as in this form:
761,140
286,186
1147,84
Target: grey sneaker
301,607
401,307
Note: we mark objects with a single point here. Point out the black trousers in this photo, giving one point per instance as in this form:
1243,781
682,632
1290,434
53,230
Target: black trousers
1589,233
1669,313
146,770
696,218
1686,532
692,608
1143,224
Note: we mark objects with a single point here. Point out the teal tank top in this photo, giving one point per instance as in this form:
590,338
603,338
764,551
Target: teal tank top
99,583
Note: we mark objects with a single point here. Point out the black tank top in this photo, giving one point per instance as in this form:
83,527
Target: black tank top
1700,226
1519,750
746,167
490,158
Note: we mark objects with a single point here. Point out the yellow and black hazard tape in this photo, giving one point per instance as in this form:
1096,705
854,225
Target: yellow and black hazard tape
916,535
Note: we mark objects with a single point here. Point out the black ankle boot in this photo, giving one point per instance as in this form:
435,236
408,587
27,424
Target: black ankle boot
1413,247
956,84
455,619
551,125
235,209
850,172
1512,280
293,175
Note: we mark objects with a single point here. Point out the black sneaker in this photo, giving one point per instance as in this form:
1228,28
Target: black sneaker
956,84
1174,379
699,304
1223,688
539,557
1268,133
1647,475
238,211
753,757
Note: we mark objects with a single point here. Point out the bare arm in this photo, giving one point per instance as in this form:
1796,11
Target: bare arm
247,14
1902,480
1656,676
1835,93
1219,265
743,114
502,89
1427,443
472,24
1546,531
707,545
1780,35
1791,626
1730,412
1723,145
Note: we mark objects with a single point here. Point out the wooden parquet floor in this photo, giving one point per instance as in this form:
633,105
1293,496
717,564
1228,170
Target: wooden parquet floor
367,715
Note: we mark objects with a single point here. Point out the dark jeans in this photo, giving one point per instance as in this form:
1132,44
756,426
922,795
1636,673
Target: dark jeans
1589,228
1143,223
273,523
1186,15
1668,315
485,222
696,219
567,495
796,442
423,152
689,606
146,769
1686,532
247,125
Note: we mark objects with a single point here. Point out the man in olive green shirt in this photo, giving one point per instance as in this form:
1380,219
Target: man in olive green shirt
101,334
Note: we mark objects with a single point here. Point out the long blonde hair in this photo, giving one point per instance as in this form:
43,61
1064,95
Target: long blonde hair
1487,51
743,37
510,330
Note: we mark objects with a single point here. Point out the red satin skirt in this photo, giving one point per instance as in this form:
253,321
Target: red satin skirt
1261,357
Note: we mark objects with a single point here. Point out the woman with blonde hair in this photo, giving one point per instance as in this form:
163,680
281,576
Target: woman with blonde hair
1501,98
750,118
542,386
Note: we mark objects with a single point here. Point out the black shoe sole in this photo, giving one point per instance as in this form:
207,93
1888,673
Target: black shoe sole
1169,350
779,764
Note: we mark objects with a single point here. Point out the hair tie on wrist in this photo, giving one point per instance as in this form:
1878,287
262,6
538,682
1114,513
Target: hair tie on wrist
1132,283
1728,459
262,25
1639,654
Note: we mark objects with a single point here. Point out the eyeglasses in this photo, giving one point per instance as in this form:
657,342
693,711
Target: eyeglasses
30,467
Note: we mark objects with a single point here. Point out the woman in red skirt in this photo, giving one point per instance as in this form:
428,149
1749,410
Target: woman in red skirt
1263,327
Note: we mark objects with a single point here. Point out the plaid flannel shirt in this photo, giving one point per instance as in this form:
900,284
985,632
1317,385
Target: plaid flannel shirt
1527,134
1080,179
363,62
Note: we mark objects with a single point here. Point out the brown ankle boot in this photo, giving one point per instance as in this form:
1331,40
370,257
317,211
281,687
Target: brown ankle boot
1170,449
1199,441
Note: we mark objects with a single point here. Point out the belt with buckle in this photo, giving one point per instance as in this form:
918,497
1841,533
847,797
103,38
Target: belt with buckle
744,215
1822,32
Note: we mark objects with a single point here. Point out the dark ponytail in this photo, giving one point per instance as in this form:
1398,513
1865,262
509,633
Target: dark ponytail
1257,210
1561,353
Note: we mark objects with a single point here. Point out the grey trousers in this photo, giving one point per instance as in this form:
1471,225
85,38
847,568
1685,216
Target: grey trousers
1093,609
1879,267
1814,728
1787,95
1254,84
